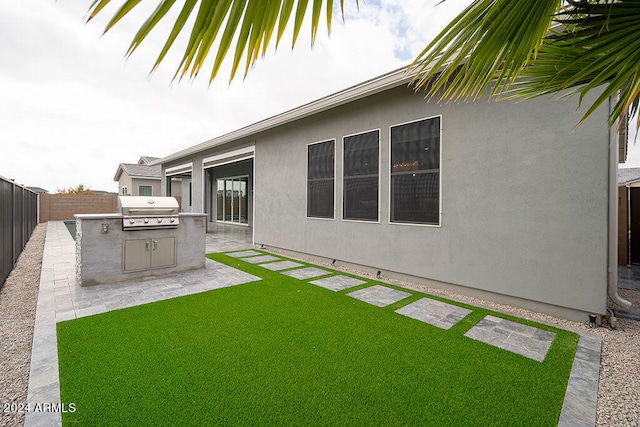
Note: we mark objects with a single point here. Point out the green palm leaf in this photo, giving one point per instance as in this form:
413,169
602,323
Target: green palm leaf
506,48
524,49
599,48
247,24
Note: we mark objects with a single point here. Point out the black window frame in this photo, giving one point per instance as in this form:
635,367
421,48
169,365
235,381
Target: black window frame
419,176
321,179
361,172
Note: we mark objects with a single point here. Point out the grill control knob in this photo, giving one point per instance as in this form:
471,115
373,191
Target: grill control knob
132,221
146,220
172,219
159,219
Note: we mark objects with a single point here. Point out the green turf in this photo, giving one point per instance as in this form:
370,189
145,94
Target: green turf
280,351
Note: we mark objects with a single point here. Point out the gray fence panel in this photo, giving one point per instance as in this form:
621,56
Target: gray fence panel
18,219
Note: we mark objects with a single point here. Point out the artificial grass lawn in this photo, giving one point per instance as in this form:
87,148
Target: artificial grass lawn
283,351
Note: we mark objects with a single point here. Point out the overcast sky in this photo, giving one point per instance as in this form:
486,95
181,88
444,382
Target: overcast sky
72,108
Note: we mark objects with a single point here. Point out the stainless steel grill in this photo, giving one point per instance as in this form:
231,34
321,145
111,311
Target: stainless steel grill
146,213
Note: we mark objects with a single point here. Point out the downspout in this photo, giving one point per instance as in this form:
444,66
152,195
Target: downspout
613,219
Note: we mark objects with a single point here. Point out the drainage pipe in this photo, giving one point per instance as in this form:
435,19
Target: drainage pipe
627,314
613,218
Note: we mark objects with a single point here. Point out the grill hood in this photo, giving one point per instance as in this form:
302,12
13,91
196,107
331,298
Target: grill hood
147,206
143,212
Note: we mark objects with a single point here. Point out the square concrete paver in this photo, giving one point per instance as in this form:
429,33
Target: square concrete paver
434,312
338,283
514,337
261,259
379,295
306,273
281,265
242,254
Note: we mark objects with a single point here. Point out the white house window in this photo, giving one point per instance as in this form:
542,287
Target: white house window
145,190
320,179
415,172
361,176
124,190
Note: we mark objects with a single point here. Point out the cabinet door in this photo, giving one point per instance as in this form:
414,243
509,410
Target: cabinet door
164,252
137,254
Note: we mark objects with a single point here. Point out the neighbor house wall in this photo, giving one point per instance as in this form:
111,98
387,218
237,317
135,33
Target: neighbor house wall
63,207
134,190
524,198
125,181
623,226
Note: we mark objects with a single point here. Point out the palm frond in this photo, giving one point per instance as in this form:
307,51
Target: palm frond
599,48
487,45
247,24
523,49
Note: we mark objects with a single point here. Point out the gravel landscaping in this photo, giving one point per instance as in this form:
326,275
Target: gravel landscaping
619,383
18,299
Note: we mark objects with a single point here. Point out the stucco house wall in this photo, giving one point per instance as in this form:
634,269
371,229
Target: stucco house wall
524,198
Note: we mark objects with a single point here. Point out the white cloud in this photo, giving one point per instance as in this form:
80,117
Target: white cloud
72,108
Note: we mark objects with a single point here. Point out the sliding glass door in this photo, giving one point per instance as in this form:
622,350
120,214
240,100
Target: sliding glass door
232,200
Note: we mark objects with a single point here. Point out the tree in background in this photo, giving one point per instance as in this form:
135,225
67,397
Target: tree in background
80,189
503,48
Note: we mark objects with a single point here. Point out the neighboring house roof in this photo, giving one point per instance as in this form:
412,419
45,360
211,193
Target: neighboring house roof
38,190
628,175
145,160
138,171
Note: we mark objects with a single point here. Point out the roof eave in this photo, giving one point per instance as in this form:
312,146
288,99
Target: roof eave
378,84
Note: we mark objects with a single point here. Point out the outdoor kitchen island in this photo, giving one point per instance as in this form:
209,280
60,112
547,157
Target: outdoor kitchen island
148,237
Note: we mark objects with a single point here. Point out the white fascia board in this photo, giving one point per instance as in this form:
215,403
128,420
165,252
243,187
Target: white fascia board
362,90
118,173
174,170
229,157
145,177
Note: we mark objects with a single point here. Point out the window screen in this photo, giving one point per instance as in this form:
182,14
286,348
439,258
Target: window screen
145,190
320,179
415,172
361,170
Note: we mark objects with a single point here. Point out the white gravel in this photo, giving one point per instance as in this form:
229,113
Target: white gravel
18,299
618,390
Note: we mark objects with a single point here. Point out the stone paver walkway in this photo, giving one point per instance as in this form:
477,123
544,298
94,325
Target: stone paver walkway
379,295
338,283
260,259
433,312
281,265
515,337
306,273
243,254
